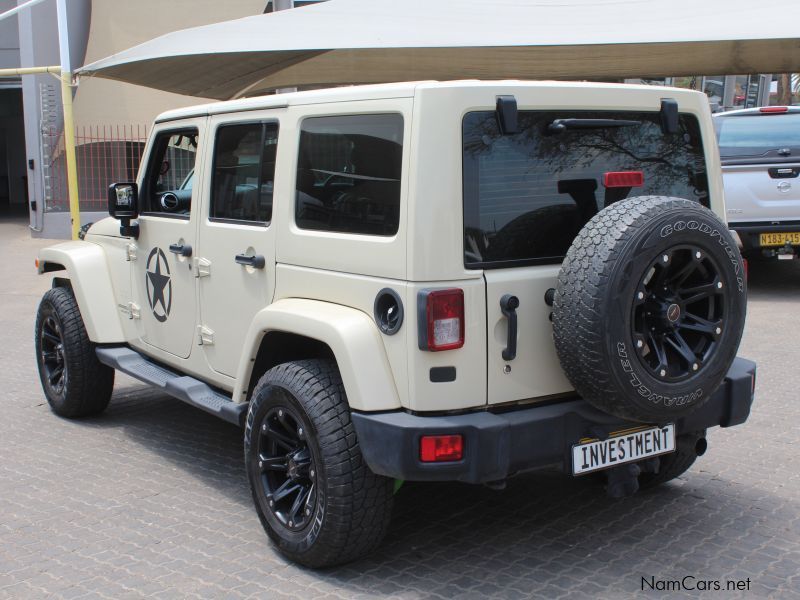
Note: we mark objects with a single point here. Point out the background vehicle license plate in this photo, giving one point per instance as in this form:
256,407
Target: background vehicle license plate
623,448
779,239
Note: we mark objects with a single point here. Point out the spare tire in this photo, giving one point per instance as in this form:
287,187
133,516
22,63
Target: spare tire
649,308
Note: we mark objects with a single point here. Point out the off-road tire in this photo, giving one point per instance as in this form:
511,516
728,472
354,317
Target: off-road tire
353,505
87,383
596,295
675,464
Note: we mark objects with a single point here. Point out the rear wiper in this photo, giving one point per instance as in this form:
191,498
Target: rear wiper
561,125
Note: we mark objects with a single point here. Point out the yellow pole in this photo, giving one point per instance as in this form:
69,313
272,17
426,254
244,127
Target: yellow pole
30,71
69,154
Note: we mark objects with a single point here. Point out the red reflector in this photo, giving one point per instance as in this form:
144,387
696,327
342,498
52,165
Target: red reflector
615,179
773,109
445,318
441,448
746,269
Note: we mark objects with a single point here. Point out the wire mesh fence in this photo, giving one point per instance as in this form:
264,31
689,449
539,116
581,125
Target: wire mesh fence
104,155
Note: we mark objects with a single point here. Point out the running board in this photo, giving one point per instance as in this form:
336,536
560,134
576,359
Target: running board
190,390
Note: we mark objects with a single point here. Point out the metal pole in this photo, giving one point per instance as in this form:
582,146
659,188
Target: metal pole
276,6
15,10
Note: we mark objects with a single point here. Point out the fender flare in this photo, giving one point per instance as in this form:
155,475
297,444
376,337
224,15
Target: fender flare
350,334
87,269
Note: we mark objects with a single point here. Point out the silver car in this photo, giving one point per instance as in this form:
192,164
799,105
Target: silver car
760,152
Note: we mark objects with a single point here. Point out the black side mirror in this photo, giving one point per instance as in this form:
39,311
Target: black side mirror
123,204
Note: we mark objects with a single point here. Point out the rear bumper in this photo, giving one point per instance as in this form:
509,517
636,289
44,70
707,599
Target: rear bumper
497,445
749,232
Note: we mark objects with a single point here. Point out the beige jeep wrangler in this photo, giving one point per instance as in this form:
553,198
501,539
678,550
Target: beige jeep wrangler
422,281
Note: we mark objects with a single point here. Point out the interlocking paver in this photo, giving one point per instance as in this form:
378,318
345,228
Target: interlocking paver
150,500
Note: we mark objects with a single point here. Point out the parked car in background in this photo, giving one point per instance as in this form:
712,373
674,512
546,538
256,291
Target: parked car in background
760,152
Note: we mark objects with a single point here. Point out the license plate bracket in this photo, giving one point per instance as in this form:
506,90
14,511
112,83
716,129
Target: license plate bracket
622,448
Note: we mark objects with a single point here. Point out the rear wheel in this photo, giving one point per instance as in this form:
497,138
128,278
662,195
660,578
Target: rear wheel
75,383
316,498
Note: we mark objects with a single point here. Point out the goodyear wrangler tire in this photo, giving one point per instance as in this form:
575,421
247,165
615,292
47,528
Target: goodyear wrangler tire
649,308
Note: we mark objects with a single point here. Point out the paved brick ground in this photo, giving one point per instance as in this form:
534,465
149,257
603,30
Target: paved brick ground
150,499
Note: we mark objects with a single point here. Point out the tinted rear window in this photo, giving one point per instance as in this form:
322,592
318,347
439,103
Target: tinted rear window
527,195
348,174
757,135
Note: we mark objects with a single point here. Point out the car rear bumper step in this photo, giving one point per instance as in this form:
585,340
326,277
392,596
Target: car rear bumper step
498,445
190,390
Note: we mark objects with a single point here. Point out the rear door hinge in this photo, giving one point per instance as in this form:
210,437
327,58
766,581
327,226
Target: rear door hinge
130,252
134,312
205,336
202,267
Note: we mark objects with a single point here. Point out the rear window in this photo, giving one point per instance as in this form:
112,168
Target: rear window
527,195
758,135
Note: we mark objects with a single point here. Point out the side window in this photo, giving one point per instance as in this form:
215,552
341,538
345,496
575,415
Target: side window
244,172
168,181
348,174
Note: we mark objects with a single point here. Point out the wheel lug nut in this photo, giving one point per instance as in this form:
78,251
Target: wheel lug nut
697,255
291,524
264,427
719,285
308,511
695,366
663,373
718,330
280,413
640,295
312,472
272,503
639,344
665,258
300,431
260,464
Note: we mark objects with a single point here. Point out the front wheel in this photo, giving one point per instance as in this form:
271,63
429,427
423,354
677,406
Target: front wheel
316,498
75,383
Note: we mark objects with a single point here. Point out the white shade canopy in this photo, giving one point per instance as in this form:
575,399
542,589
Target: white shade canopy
375,41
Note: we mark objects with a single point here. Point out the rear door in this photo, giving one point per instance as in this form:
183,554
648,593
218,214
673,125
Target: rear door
526,197
760,155
236,259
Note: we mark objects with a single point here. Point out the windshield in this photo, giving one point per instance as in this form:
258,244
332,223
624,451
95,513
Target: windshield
756,135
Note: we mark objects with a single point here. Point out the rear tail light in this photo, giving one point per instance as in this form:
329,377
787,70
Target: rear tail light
441,314
627,179
773,109
441,448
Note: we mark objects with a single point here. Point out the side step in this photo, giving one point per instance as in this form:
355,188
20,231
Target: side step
190,390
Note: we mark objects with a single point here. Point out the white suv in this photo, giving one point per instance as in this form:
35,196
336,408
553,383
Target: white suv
421,281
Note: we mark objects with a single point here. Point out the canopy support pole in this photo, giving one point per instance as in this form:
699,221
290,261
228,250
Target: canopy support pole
69,135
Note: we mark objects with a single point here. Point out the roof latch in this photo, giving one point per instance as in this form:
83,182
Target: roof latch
507,114
669,115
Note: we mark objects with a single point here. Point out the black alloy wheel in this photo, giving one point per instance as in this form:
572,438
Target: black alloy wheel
288,468
678,313
51,348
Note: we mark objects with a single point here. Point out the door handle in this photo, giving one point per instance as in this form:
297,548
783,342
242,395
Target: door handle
509,305
181,249
257,261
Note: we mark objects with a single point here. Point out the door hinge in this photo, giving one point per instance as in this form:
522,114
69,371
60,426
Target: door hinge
202,267
130,252
134,312
205,336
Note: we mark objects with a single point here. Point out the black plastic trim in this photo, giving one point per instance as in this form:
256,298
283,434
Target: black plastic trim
377,311
497,445
442,374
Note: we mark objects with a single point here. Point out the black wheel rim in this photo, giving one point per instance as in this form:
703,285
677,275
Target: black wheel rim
287,468
678,313
54,366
